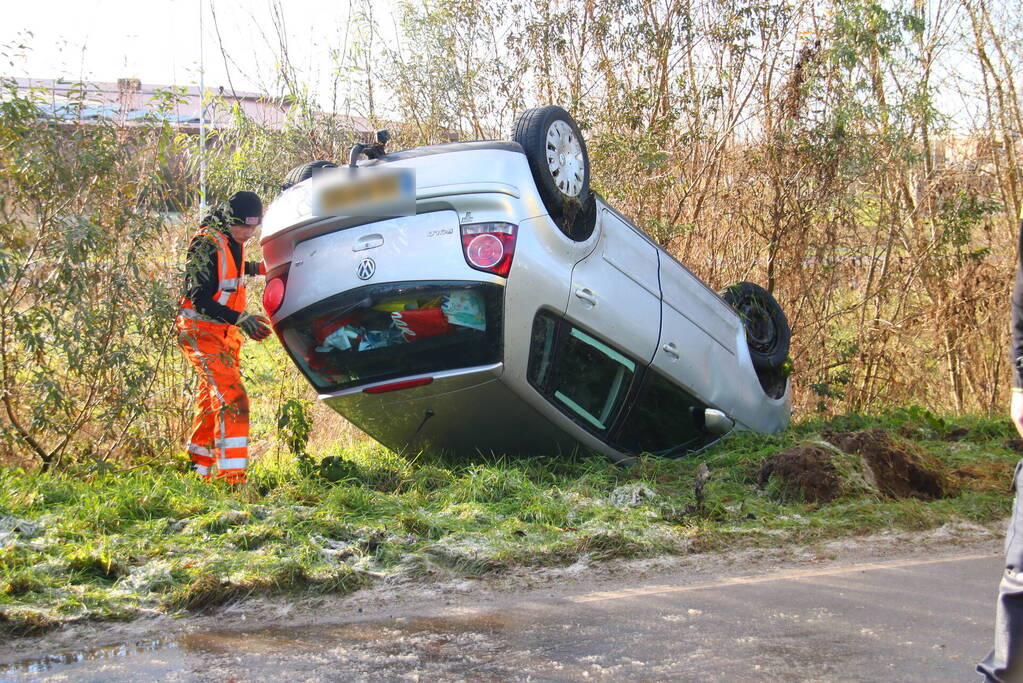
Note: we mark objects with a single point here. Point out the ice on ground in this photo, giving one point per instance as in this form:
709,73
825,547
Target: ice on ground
14,528
332,551
631,495
177,526
578,566
147,578
233,518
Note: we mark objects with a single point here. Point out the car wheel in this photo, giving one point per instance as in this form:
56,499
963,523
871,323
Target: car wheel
304,172
557,157
767,329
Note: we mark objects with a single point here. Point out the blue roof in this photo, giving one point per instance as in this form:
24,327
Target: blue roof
110,111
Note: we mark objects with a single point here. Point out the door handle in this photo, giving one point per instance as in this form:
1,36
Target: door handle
368,242
671,350
586,295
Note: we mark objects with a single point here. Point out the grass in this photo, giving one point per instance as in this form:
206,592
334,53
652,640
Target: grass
103,546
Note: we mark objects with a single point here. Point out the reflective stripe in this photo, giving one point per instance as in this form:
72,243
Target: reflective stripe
201,470
222,248
229,285
199,450
223,298
233,442
193,314
232,463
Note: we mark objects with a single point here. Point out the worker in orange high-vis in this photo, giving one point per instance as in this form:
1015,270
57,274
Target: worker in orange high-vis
210,323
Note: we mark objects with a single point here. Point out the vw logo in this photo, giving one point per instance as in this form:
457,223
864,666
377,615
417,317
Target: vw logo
367,267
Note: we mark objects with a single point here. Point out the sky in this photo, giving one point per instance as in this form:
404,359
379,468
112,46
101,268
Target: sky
158,42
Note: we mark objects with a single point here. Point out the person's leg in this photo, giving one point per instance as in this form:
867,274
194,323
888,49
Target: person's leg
200,444
1005,661
231,440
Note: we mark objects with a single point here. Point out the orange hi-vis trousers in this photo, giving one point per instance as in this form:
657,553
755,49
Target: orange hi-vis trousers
220,430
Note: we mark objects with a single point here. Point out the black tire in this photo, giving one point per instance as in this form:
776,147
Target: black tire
562,189
767,329
304,172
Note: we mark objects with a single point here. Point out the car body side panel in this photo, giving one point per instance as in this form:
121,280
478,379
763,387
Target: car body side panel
691,298
615,291
540,277
697,343
693,358
720,378
751,407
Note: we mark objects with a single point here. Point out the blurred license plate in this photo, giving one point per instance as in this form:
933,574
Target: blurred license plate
365,192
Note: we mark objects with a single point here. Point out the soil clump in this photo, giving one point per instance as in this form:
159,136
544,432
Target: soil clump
871,461
901,468
806,471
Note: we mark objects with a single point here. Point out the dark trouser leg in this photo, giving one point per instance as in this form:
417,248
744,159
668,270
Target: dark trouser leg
1005,661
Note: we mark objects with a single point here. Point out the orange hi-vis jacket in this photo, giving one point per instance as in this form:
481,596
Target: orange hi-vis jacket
220,429
230,290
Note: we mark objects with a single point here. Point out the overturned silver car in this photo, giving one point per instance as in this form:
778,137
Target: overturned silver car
505,307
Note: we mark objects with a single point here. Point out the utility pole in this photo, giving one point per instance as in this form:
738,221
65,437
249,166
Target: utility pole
202,118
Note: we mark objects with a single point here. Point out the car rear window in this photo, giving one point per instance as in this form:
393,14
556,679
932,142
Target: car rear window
382,332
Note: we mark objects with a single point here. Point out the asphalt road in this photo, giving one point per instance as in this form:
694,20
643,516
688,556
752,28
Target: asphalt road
902,620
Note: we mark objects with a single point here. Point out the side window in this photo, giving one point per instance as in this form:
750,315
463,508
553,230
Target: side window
581,375
664,420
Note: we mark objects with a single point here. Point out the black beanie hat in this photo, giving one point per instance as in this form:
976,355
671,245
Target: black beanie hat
244,208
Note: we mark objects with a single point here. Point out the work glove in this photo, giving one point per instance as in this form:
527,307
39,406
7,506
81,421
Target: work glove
255,326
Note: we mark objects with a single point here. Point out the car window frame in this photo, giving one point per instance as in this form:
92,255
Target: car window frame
599,426
642,379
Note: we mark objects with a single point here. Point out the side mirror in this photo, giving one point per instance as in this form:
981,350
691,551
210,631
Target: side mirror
717,422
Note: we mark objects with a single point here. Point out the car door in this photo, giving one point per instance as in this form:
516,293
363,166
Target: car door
615,291
697,340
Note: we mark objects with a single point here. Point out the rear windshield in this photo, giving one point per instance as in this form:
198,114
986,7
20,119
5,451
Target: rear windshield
383,332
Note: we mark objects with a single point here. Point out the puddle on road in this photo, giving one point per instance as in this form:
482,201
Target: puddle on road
424,635
51,662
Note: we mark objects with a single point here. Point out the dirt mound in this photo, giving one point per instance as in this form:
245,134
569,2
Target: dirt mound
872,462
804,471
901,468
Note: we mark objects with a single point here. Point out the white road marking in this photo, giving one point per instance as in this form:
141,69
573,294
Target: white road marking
780,576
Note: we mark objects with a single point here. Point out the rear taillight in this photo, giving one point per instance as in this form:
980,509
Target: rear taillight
273,294
489,246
